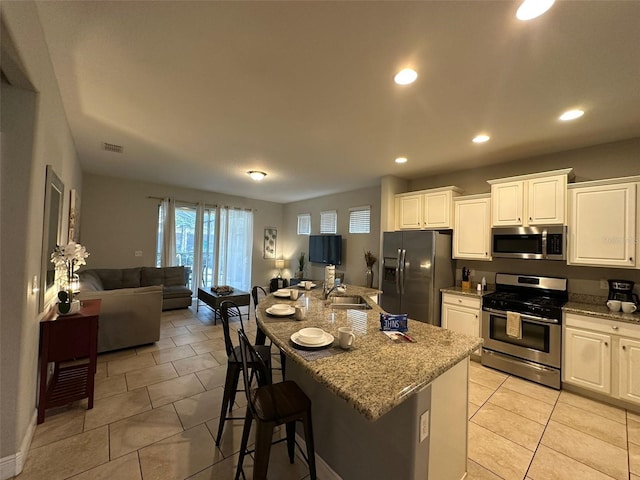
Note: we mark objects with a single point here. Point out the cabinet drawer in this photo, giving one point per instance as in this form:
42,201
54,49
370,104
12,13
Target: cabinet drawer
461,300
602,325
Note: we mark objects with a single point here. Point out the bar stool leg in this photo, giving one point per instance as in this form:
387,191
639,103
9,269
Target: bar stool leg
230,385
248,419
264,437
311,452
291,439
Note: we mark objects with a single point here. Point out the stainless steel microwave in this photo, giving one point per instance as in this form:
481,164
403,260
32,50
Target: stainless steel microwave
543,242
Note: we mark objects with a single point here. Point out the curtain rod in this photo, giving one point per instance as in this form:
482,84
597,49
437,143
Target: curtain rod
206,204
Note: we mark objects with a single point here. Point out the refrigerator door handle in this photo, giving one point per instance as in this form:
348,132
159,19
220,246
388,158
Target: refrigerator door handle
398,271
402,258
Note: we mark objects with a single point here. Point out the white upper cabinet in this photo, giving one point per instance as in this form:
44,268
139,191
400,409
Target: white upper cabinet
536,199
472,227
427,209
602,223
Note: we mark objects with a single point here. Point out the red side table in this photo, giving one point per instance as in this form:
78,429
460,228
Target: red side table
68,338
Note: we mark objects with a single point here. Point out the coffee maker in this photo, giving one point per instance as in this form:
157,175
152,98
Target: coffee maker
622,290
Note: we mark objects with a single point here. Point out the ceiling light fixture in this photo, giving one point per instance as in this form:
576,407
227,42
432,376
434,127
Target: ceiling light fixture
405,76
530,9
571,115
256,175
481,138
401,160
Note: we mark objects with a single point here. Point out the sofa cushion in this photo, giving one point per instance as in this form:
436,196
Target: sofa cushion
111,277
176,291
90,282
174,276
151,276
130,277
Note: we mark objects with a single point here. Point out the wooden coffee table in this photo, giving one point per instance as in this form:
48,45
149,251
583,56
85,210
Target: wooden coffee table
213,300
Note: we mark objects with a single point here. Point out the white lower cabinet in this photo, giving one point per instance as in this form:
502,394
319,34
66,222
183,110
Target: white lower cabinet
588,359
630,370
461,314
602,355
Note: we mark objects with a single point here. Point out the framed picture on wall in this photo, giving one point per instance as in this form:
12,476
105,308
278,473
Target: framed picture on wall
270,239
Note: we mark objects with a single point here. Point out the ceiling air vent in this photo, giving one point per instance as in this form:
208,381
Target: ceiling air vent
111,147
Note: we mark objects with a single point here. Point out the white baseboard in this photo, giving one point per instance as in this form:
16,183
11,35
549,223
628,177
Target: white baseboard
319,461
12,465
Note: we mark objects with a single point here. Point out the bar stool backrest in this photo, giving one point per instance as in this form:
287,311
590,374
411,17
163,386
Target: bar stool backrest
258,364
258,293
229,309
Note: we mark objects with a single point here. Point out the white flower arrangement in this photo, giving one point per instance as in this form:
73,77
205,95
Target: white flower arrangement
67,258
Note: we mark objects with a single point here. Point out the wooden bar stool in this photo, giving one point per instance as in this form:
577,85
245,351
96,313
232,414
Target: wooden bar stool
234,365
270,405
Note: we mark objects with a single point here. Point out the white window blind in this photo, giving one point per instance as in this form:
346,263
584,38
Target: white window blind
304,224
360,219
329,221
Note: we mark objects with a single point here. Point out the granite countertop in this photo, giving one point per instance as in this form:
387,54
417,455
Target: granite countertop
600,310
466,292
376,374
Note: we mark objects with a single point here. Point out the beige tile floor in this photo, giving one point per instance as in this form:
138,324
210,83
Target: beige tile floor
157,408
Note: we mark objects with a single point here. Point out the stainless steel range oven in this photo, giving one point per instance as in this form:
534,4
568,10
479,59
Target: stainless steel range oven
537,353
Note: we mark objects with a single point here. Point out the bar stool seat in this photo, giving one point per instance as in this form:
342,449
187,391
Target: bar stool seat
270,405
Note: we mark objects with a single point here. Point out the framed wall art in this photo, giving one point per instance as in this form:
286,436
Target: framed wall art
270,239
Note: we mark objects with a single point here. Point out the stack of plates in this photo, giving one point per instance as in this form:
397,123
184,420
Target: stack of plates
283,293
280,310
312,338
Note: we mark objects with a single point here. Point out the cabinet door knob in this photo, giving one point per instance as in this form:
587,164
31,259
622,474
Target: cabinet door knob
519,219
530,218
624,347
606,344
615,327
459,300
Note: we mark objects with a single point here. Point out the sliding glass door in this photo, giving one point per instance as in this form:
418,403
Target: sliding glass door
215,244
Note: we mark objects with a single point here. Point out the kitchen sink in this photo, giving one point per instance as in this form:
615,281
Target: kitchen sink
349,302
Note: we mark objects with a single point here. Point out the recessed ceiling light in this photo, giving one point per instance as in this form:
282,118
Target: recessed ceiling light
571,115
405,76
530,9
401,160
256,175
481,138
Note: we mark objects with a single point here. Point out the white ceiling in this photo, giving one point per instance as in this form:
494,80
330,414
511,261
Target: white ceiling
198,93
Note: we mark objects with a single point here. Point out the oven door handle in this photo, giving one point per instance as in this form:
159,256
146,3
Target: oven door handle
528,318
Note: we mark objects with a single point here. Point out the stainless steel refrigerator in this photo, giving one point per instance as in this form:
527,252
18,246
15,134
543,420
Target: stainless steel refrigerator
415,266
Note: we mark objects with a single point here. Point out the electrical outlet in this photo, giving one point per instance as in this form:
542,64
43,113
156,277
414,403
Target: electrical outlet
138,253
604,285
424,425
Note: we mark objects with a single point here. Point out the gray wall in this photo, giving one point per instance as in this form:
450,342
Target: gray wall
353,245
118,218
609,160
34,133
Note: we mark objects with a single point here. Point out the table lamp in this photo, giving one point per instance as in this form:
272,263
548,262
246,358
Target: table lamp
280,263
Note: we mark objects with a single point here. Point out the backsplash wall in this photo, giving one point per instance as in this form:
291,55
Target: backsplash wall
582,280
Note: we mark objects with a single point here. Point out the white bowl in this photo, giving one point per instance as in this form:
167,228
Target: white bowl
311,335
280,307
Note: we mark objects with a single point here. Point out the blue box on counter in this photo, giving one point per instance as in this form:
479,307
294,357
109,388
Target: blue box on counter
397,323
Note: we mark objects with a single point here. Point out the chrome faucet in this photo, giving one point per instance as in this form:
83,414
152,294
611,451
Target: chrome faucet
326,293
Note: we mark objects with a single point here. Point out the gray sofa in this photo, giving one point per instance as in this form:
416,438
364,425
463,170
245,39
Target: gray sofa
175,293
132,302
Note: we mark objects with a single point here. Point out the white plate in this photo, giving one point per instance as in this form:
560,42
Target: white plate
327,339
281,313
313,285
283,293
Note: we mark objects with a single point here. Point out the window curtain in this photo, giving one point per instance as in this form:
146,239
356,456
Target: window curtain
168,255
236,244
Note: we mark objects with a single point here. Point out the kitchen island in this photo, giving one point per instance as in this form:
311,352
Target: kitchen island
383,409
